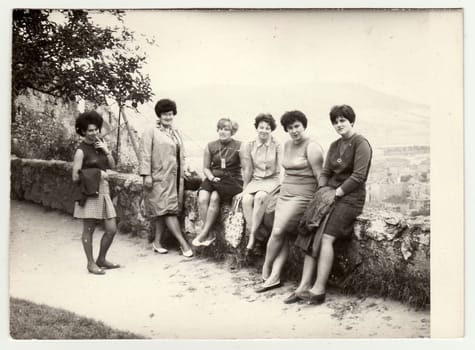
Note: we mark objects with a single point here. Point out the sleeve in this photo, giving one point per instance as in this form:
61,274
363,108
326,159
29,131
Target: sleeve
245,151
327,172
361,164
145,149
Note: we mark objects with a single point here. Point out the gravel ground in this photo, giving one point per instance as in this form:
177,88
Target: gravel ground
169,296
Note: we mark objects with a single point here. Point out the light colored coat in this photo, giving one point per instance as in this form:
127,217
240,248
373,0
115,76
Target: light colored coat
158,159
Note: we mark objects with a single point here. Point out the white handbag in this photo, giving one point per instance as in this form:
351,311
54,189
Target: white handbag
234,225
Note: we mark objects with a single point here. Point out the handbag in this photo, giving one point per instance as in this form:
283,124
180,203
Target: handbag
234,225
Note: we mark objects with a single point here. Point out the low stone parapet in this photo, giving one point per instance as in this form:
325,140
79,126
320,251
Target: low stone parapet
388,255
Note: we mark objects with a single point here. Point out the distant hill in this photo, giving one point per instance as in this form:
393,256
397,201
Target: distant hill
384,119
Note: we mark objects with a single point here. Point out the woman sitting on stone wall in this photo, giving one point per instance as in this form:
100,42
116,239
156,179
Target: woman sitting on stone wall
162,168
345,172
222,169
261,167
302,162
93,202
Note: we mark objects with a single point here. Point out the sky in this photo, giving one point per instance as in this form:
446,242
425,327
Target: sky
385,50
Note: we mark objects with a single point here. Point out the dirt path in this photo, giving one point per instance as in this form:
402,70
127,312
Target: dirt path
168,296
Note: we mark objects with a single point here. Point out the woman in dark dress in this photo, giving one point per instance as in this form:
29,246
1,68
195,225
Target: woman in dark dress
222,169
91,160
345,170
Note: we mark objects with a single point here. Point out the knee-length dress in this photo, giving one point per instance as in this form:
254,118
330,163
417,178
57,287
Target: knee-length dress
298,186
162,158
101,206
265,159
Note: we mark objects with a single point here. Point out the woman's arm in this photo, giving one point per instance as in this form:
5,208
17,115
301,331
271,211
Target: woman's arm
361,163
246,163
77,164
145,150
100,144
207,165
315,158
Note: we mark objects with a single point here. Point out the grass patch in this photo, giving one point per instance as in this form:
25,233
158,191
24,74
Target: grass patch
34,321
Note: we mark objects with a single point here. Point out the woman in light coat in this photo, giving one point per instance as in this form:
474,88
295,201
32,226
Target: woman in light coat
162,169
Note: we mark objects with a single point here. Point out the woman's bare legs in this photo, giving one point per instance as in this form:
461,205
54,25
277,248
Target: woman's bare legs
247,205
106,241
278,265
89,225
308,274
257,215
174,226
210,215
274,247
159,230
325,263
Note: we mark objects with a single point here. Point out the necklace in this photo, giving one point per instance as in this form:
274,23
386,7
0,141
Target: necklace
344,144
221,155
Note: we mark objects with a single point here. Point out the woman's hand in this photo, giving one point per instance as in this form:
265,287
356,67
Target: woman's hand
104,175
339,193
100,144
216,179
147,182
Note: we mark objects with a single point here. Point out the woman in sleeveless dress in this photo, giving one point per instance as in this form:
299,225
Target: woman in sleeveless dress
345,172
302,162
222,169
91,160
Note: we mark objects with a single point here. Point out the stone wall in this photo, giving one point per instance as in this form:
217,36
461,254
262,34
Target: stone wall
388,255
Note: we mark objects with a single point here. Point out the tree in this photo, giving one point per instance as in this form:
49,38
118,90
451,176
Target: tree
65,54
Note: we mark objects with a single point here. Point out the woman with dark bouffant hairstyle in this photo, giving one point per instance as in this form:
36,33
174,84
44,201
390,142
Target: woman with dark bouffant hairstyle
91,160
261,168
222,168
302,161
343,181
162,167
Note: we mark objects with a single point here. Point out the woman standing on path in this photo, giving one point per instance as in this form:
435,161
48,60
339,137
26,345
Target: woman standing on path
302,161
345,172
162,168
222,168
91,160
261,167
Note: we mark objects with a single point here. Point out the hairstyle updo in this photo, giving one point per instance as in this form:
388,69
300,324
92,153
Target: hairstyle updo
87,118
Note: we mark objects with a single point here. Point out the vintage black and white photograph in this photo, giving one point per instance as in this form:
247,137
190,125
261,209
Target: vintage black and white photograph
227,173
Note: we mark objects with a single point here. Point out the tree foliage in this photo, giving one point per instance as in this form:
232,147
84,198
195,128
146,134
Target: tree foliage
65,54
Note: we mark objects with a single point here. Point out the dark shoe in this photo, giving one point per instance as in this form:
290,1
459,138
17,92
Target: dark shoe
311,298
107,265
292,298
266,288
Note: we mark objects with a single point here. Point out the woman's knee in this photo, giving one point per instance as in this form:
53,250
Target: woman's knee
260,197
214,198
203,197
277,233
328,239
247,200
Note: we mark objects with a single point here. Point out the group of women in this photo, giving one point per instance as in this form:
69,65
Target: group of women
248,170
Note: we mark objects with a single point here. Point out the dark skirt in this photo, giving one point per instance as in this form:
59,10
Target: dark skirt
339,222
227,188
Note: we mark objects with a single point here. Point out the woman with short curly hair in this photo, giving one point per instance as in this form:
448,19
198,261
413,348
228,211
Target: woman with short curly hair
91,160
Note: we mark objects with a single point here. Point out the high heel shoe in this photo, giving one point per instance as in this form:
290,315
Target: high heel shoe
208,242
187,253
159,250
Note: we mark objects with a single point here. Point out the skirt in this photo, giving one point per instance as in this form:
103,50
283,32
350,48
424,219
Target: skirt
100,207
265,185
291,204
227,188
